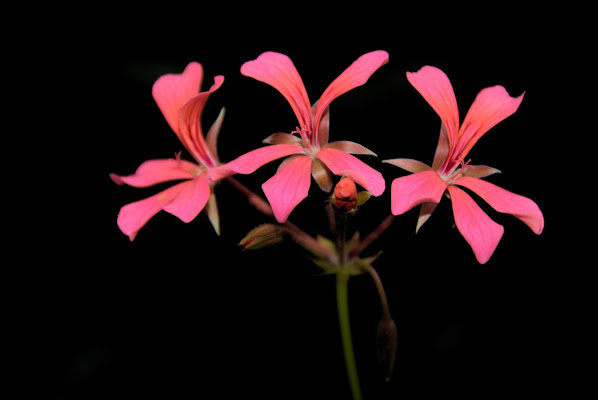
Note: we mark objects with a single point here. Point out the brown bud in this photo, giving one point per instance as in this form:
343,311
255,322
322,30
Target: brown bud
386,345
263,236
345,194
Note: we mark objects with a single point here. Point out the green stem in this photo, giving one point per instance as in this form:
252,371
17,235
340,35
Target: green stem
342,298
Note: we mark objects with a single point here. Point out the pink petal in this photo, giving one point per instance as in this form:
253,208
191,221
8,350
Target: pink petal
134,216
341,163
491,106
356,75
249,162
172,91
506,202
477,228
190,132
408,191
190,200
288,187
157,171
278,70
435,87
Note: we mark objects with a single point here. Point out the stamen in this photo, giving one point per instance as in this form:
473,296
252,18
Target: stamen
458,171
304,133
195,171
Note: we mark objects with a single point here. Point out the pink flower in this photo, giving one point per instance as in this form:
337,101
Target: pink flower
178,98
450,171
310,151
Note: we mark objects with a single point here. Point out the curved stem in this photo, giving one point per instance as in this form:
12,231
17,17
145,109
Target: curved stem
381,292
373,235
253,198
342,298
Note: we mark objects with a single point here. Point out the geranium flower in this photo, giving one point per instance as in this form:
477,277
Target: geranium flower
450,171
182,106
308,145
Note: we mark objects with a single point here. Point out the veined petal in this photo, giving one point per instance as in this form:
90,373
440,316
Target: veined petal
212,212
506,202
435,87
409,164
321,175
350,147
283,138
408,191
213,133
341,163
278,71
477,228
479,171
191,199
249,162
152,172
355,75
190,132
491,106
172,91
134,216
288,187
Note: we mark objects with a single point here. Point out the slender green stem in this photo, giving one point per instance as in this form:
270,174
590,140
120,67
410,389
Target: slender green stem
342,297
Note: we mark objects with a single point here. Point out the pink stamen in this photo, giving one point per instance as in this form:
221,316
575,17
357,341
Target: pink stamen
304,133
458,171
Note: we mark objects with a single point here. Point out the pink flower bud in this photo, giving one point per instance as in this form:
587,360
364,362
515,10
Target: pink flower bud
345,194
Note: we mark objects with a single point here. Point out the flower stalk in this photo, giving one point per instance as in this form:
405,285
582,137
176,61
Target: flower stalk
342,300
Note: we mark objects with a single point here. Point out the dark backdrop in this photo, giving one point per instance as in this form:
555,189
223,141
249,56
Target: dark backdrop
182,313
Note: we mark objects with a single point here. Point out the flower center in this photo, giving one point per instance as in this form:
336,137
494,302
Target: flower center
306,135
451,177
194,170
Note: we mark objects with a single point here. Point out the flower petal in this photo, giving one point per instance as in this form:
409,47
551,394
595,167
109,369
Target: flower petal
506,202
408,191
172,91
288,187
355,75
249,162
321,175
479,171
152,172
491,106
409,164
435,87
341,163
278,71
134,216
190,200
477,228
214,132
283,138
350,147
190,132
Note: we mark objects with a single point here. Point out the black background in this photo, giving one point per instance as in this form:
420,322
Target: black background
183,313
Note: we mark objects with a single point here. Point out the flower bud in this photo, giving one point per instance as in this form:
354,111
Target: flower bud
386,345
263,236
345,194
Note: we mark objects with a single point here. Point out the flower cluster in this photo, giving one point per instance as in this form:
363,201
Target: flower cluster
307,152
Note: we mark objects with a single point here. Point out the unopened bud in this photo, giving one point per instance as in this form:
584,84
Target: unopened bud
263,236
345,194
386,345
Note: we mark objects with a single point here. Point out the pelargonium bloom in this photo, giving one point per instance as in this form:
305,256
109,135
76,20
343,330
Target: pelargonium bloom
182,106
450,171
309,151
